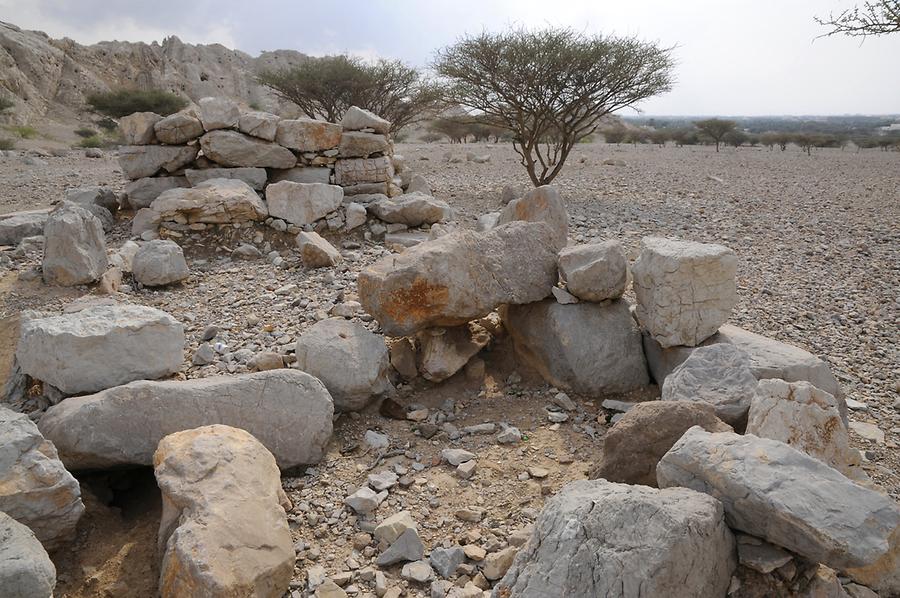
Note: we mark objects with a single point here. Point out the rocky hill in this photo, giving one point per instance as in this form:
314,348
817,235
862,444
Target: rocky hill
49,78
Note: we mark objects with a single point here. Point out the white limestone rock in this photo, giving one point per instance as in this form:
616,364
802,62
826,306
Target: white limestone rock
158,263
540,205
218,113
74,246
594,272
26,570
302,203
216,201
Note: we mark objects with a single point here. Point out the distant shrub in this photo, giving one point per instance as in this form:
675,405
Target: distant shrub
85,132
7,144
128,101
6,104
254,106
93,141
25,132
108,124
432,137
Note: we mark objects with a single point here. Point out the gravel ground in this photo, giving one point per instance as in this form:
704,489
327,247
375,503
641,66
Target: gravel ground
818,245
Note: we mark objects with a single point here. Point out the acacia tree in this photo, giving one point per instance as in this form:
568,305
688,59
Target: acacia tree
552,87
872,18
326,87
715,128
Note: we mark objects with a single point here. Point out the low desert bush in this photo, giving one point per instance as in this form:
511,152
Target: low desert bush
85,132
93,141
7,144
123,102
25,132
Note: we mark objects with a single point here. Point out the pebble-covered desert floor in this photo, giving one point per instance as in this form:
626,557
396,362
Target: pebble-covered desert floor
819,247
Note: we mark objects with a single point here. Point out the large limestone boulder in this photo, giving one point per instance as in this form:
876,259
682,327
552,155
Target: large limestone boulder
594,272
138,128
100,347
362,145
646,432
26,570
806,418
215,201
302,203
356,171
94,195
218,113
352,362
769,358
18,225
685,290
288,411
230,148
255,177
308,135
159,263
719,375
460,277
178,128
357,119
597,538
788,498
142,192
259,124
445,351
540,205
224,531
138,161
411,209
74,246
590,348
316,252
35,488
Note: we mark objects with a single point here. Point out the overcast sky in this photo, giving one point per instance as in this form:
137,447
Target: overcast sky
735,57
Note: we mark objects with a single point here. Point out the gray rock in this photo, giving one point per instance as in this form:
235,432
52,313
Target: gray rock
255,177
445,351
74,246
302,203
18,225
159,263
139,161
419,184
636,443
806,418
590,348
418,571
26,570
35,488
408,547
95,195
362,145
510,193
788,498
230,148
356,216
259,124
597,538
487,221
411,209
138,128
288,411
456,456
759,555
107,221
356,119
145,221
326,348
594,272
540,205
393,527
769,358
316,252
100,347
459,277
215,201
684,290
719,375
308,135
178,128
364,500
446,560
142,192
355,171
302,174
223,530
218,113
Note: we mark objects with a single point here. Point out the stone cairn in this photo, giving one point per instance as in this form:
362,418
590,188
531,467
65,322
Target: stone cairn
741,474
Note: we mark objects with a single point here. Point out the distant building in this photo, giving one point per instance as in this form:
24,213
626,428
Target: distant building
892,128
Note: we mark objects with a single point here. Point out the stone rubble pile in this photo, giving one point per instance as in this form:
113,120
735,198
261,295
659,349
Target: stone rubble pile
214,164
744,464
